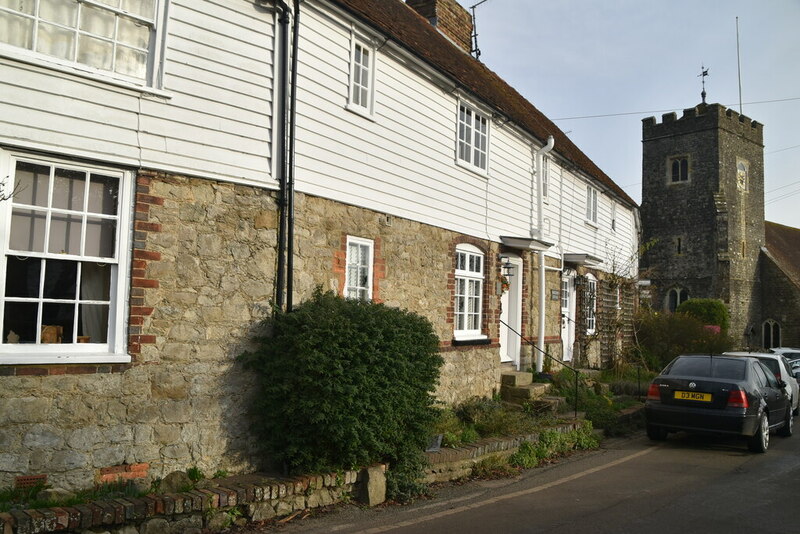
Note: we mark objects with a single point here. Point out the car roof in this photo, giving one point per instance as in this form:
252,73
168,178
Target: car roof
753,354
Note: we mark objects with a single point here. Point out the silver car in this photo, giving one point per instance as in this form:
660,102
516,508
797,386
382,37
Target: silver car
782,370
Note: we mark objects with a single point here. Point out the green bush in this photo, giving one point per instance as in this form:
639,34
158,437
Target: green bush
493,418
663,336
346,383
707,311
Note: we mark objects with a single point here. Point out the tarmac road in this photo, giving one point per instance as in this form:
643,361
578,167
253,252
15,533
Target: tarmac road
688,484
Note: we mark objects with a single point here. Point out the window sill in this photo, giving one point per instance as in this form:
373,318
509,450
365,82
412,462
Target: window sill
86,74
592,224
483,173
62,359
466,341
358,110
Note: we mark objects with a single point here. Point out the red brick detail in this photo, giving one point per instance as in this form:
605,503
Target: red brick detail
149,199
147,226
116,473
142,257
146,255
145,282
29,481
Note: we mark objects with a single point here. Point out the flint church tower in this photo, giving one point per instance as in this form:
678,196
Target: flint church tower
703,212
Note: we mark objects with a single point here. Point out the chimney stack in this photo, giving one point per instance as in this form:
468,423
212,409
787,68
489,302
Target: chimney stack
449,18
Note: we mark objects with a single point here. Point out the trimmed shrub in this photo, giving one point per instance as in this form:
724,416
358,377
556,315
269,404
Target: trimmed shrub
663,336
707,311
346,383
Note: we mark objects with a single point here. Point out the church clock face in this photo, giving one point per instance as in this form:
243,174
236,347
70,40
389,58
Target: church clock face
741,176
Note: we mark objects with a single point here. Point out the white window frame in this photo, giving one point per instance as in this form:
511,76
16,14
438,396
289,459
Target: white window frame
472,279
591,304
472,144
153,79
362,77
591,204
361,292
114,350
774,327
613,216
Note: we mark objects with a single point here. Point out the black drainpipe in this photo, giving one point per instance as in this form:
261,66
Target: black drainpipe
281,152
290,177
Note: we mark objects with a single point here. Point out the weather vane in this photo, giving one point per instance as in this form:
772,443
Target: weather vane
702,76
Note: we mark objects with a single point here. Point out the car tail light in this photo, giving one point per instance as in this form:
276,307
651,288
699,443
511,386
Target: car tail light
738,399
653,393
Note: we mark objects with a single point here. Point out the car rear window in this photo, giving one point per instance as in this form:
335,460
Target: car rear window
772,365
732,369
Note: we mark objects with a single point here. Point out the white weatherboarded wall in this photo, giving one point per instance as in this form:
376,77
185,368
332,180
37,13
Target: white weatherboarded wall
213,120
401,160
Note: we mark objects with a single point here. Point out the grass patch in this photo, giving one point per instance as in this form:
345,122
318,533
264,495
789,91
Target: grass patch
28,498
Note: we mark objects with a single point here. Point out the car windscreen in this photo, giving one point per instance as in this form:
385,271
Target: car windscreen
729,368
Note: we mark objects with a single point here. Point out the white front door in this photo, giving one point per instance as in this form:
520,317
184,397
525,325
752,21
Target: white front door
567,315
511,314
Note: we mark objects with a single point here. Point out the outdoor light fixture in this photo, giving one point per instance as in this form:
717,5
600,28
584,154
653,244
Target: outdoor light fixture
507,267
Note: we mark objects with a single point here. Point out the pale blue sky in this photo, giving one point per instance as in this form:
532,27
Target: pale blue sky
573,58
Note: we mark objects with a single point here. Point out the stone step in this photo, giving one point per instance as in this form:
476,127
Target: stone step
548,404
516,378
522,394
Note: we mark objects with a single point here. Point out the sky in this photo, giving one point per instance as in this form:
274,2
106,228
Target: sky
632,59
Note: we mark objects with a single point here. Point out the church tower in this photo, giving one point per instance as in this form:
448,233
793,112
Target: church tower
703,212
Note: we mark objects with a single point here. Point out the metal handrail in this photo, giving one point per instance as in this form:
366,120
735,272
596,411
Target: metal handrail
532,344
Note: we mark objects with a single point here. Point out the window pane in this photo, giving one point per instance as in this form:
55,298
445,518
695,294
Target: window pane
65,234
95,52
95,281
23,6
27,230
143,8
58,323
19,322
92,323
31,184
112,3
64,12
22,277
16,30
132,33
103,194
60,279
55,41
101,237
68,188
131,62
97,21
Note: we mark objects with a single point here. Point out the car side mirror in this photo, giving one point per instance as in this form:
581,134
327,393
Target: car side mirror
781,384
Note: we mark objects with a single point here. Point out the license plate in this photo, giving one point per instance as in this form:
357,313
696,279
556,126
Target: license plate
693,395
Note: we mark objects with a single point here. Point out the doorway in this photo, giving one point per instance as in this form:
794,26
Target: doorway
511,313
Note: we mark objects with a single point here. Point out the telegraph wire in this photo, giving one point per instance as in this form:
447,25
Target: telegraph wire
666,110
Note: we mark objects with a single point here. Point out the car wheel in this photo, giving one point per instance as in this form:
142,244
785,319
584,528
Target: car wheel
759,442
656,433
788,424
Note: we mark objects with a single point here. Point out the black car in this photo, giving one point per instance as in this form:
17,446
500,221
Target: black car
719,395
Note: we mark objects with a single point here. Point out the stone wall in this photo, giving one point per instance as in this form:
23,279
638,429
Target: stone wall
202,278
413,262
